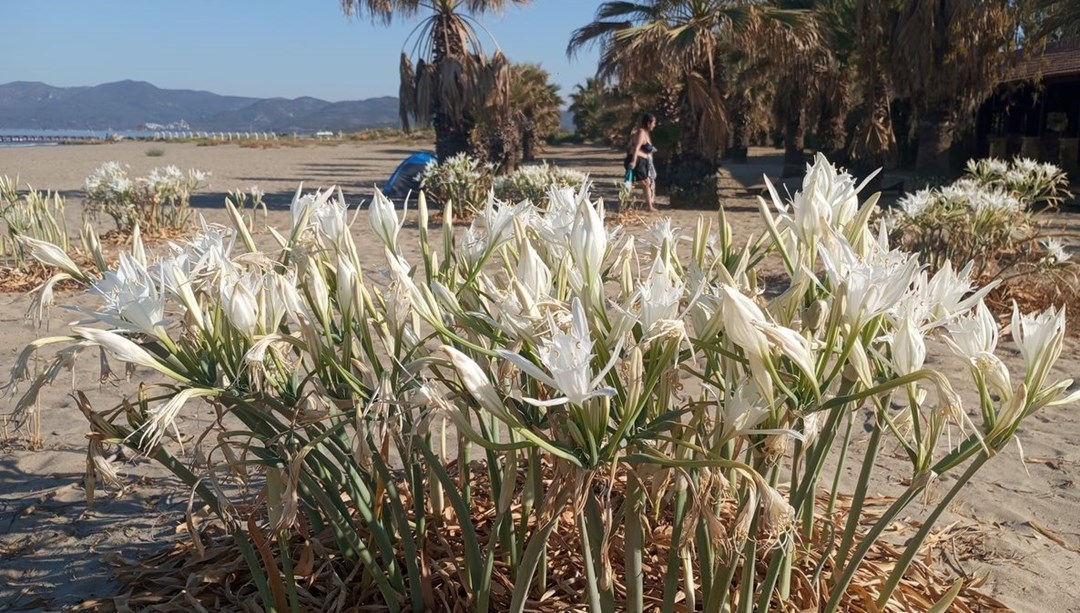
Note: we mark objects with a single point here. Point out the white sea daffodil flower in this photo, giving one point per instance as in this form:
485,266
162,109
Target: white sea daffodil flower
497,219
204,256
662,237
828,200
531,272
1056,251
382,216
704,315
740,316
555,223
1039,339
239,299
125,350
423,303
568,357
163,417
176,280
870,286
974,338
659,298
742,410
588,242
133,300
473,245
283,300
331,222
792,345
319,291
948,293
509,311
908,347
347,279
916,203
51,255
742,323
301,202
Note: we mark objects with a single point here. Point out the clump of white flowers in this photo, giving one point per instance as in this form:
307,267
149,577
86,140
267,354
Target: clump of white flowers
462,180
1033,183
532,182
985,217
647,385
33,214
156,202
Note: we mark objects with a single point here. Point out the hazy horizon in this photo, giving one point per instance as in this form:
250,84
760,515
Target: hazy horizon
201,90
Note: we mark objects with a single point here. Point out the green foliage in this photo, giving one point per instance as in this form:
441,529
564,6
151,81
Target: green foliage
33,214
155,153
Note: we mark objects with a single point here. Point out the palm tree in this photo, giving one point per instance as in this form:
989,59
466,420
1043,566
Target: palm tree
944,57
808,84
512,130
1059,18
535,102
674,43
588,103
680,46
452,79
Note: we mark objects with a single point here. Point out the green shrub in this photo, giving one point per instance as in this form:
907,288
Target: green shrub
463,180
156,203
534,183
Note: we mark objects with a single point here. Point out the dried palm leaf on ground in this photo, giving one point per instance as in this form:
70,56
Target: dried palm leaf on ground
178,578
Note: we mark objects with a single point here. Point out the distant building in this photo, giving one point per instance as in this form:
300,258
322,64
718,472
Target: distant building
1036,113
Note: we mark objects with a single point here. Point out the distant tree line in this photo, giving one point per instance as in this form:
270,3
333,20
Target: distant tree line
869,82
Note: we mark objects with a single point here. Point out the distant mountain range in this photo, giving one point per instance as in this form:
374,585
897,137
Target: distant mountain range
130,105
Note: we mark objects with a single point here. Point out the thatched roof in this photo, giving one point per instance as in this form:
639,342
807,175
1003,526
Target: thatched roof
1060,59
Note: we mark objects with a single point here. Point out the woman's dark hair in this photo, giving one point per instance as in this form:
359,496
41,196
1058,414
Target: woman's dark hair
646,119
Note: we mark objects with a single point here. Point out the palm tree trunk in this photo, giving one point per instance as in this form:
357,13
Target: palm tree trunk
690,166
934,132
451,137
740,131
794,164
528,145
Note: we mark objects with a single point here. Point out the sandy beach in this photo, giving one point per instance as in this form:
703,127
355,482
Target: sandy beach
1016,526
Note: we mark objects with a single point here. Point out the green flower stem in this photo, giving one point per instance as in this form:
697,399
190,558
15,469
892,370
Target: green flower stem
706,559
592,586
857,499
912,546
779,558
901,503
749,569
634,544
840,465
671,574
534,557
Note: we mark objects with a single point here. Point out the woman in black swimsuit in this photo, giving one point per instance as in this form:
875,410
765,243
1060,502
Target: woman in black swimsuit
639,158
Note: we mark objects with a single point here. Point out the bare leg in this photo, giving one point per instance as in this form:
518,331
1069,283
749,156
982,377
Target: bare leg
647,184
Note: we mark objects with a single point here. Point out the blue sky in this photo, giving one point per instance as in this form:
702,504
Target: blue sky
261,48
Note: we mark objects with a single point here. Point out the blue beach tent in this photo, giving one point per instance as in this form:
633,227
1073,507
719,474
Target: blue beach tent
407,175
